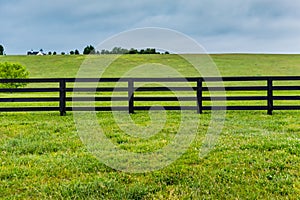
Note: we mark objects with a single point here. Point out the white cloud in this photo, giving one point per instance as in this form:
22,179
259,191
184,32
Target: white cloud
228,25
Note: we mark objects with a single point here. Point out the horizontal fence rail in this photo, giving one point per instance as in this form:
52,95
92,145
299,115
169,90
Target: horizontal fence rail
200,88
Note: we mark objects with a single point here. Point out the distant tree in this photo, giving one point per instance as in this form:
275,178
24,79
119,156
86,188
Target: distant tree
86,50
133,51
147,51
89,50
142,51
93,50
63,53
167,52
13,71
49,53
72,52
1,50
119,50
54,53
150,51
153,51
104,51
115,50
76,52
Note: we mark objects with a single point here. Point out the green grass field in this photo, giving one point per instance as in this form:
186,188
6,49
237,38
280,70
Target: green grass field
257,156
228,65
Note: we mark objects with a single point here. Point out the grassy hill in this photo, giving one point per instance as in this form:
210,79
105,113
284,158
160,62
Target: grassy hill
256,156
228,64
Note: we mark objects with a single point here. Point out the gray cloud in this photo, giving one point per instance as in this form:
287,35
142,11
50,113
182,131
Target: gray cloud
221,26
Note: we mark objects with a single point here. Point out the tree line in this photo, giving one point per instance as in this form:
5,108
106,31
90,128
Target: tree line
89,49
16,70
119,50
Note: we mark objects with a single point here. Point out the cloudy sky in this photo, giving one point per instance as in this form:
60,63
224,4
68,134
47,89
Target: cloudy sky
269,26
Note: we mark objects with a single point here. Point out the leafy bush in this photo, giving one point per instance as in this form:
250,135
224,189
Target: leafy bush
13,71
1,50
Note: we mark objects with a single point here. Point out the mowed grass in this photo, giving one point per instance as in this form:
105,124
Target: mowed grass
228,64
256,156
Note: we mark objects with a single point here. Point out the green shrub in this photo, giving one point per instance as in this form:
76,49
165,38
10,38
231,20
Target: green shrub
13,71
1,50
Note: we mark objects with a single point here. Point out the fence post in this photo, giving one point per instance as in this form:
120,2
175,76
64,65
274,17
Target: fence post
130,96
199,95
62,97
270,96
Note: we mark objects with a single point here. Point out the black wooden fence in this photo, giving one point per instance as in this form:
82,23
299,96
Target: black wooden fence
200,87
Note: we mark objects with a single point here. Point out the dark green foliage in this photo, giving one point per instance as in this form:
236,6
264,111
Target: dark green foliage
13,71
76,52
133,51
117,50
120,50
1,50
89,50
149,51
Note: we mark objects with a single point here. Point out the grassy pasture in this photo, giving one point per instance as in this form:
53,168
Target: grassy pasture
228,65
256,157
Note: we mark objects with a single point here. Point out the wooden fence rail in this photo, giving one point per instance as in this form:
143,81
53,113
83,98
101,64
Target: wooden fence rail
199,86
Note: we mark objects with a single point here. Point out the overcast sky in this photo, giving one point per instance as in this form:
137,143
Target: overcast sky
219,25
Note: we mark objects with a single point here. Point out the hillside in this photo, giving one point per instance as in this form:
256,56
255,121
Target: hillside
228,64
